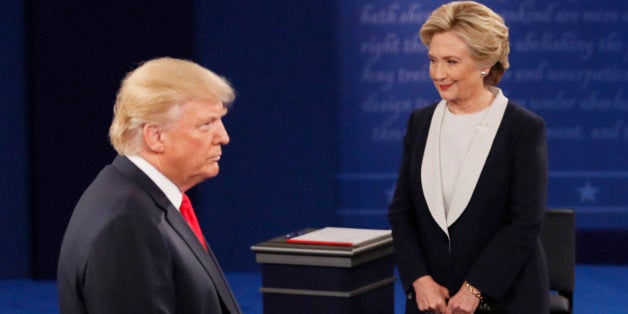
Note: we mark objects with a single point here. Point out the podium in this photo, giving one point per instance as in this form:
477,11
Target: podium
310,278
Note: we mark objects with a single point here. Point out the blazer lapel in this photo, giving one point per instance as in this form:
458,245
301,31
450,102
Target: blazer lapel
430,169
476,158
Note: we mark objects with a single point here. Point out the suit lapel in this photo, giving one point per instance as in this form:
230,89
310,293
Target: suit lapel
476,158
206,258
174,218
430,170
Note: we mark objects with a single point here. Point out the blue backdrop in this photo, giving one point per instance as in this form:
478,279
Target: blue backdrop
324,92
14,222
277,174
569,64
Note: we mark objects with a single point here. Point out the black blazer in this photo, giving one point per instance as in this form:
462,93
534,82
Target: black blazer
127,249
494,244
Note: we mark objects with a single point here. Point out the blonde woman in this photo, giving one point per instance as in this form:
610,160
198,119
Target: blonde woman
471,192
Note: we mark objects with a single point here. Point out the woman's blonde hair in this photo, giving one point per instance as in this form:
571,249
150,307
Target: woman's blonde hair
152,92
483,30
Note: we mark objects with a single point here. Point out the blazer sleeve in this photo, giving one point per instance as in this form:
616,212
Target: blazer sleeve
401,214
495,270
128,269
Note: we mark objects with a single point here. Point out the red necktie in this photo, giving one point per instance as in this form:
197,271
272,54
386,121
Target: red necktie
188,213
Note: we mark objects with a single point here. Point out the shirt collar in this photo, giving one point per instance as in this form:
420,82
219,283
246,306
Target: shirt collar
165,185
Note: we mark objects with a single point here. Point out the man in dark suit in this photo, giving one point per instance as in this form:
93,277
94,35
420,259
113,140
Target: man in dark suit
133,244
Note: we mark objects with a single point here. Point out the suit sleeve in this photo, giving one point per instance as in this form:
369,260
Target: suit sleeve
410,259
128,269
500,262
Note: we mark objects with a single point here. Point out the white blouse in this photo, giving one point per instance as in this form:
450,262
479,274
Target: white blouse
457,133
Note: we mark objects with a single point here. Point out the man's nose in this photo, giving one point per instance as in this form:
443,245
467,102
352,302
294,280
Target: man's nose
222,137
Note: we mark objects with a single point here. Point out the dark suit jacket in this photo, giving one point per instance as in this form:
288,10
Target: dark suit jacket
494,244
127,249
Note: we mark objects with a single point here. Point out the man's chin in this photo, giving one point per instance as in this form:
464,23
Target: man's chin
212,171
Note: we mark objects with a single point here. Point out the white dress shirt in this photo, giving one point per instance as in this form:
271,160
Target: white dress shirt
165,185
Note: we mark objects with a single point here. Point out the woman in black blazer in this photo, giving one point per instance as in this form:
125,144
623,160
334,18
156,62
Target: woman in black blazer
472,186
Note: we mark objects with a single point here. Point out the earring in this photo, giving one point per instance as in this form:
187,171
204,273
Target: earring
483,73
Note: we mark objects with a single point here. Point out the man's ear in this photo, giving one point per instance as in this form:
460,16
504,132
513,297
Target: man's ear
152,136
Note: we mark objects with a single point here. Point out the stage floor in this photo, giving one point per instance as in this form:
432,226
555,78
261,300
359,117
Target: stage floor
599,289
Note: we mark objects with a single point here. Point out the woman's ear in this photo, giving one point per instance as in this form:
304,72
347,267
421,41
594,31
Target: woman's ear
485,71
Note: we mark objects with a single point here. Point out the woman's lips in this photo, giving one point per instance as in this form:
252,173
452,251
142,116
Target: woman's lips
444,87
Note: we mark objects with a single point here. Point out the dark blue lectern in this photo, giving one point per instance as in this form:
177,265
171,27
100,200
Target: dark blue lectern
307,278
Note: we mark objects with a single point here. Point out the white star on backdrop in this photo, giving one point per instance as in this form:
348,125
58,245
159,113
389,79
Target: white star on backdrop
587,192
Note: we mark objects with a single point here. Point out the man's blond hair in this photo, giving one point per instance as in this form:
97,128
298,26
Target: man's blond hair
152,92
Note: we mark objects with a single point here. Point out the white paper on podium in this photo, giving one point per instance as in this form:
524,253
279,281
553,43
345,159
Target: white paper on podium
340,236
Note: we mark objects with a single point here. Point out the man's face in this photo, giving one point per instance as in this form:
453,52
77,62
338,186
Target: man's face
192,143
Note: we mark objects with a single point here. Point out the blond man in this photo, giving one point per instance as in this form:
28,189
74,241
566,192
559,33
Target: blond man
133,243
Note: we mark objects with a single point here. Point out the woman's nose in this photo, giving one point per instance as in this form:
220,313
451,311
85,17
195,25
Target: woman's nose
438,72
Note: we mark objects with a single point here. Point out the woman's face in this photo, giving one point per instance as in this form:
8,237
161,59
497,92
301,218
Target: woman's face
455,74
